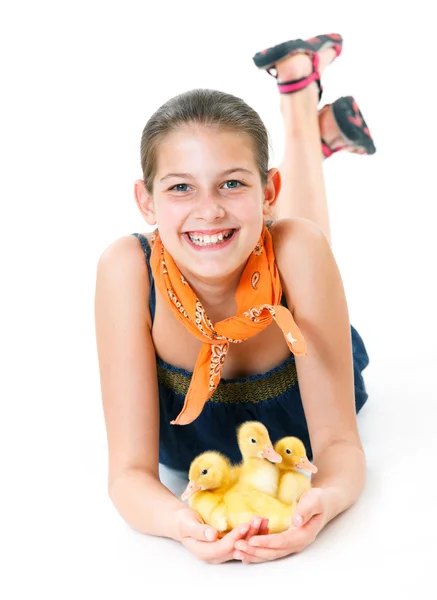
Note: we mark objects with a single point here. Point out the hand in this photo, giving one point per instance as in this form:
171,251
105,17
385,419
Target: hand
203,541
308,520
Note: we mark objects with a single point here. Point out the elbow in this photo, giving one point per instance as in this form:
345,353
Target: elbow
116,484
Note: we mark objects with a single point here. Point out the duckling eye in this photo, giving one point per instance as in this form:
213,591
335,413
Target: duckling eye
288,451
204,472
253,440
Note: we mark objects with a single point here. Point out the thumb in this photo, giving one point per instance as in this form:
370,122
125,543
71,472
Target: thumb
194,527
310,504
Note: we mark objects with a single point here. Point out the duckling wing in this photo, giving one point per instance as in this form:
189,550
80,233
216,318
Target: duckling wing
219,518
279,514
205,503
292,485
238,510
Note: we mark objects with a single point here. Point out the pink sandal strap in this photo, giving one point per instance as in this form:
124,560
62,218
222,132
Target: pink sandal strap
288,87
338,48
328,151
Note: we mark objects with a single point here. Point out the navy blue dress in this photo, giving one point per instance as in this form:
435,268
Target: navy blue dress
273,398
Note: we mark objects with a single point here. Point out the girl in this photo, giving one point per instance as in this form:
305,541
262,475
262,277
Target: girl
235,310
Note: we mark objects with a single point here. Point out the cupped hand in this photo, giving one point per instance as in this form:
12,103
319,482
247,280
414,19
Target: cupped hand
308,520
204,542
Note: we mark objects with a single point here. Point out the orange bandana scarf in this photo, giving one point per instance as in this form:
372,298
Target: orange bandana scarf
258,298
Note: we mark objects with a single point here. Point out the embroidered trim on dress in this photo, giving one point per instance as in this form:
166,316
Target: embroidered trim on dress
252,389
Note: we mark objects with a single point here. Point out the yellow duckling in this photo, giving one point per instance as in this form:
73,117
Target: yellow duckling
242,506
212,493
210,476
227,496
293,484
255,490
257,470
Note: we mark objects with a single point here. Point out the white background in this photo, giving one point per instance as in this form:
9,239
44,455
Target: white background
79,81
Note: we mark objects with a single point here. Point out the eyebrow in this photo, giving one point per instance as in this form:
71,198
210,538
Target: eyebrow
222,174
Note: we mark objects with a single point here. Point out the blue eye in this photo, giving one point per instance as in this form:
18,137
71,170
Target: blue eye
178,185
233,181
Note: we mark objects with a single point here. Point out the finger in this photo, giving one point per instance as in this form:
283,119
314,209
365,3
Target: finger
223,549
264,529
293,538
241,556
255,525
228,541
277,540
253,551
263,556
248,552
199,531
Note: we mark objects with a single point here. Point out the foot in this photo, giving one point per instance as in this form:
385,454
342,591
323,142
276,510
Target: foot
299,65
331,133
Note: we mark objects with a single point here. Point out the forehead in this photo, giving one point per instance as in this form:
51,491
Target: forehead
198,146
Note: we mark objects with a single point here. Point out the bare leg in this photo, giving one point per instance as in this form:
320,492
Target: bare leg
303,191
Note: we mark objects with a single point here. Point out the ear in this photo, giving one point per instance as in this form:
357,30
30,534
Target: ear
144,202
271,191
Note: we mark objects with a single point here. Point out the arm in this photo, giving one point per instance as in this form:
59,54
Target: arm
130,391
130,403
314,290
342,474
315,296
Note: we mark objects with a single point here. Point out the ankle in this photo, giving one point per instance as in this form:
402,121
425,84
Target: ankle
329,130
300,103
294,67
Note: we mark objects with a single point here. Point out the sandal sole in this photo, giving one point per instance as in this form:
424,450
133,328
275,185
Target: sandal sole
352,124
268,57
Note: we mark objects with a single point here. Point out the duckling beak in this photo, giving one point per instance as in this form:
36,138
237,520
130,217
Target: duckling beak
271,455
191,489
305,465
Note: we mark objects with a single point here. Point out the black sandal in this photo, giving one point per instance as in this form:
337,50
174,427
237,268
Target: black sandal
353,127
267,59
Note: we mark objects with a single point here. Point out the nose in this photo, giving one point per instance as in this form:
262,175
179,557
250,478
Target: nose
210,207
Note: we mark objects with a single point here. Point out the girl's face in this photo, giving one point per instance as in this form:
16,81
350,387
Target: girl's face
208,201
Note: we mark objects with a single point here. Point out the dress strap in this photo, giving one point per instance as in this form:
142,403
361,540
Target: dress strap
147,252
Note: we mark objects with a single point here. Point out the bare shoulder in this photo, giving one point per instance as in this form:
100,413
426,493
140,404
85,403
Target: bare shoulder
303,256
122,270
296,233
125,252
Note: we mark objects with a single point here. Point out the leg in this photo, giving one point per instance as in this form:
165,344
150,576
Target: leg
303,191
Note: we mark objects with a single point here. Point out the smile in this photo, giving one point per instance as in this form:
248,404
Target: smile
205,240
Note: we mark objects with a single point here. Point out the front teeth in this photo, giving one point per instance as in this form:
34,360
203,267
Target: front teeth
205,240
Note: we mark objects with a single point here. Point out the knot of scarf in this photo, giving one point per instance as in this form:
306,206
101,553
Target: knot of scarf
258,298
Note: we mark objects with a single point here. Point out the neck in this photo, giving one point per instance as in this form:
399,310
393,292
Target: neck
223,487
256,459
217,296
